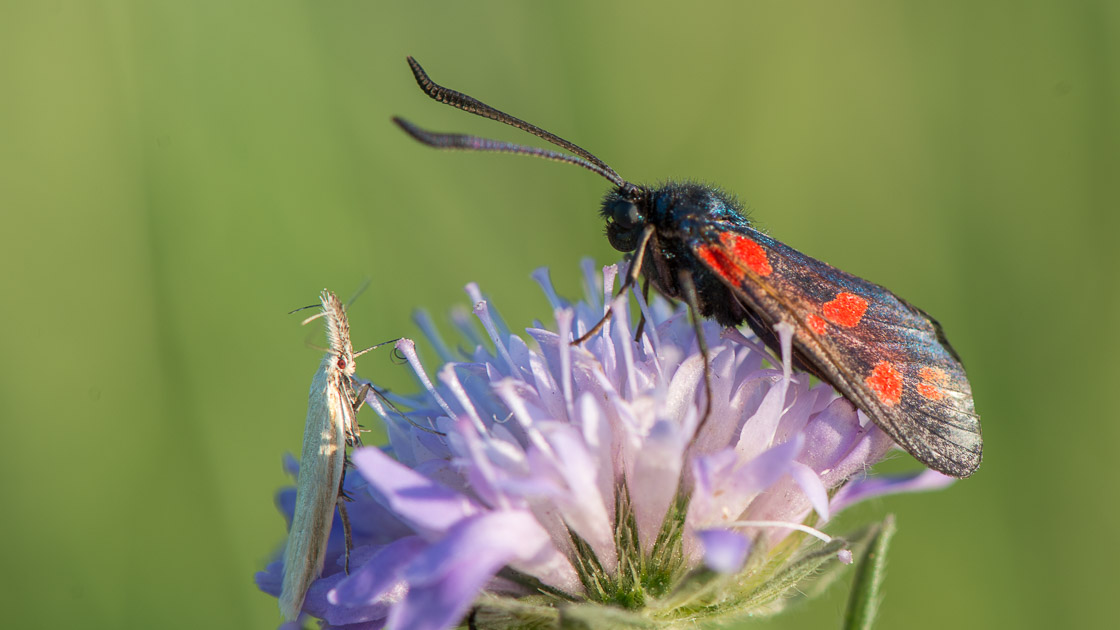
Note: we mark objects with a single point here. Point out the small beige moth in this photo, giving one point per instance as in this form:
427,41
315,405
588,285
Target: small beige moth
332,406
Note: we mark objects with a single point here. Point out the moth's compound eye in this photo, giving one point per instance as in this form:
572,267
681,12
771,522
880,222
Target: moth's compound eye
624,222
625,214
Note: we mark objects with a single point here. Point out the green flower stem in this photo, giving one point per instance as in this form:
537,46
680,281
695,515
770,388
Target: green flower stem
863,603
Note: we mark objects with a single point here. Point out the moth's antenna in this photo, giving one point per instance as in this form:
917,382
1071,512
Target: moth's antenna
474,143
375,346
361,289
463,142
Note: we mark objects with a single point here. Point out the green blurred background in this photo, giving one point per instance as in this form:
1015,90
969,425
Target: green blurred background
175,177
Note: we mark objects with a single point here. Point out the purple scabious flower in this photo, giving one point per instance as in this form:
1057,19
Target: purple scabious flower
534,484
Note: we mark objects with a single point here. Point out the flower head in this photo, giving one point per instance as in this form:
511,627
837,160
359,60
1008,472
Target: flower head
534,482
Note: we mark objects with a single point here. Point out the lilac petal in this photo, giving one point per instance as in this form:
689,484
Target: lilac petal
521,354
618,342
830,435
291,465
564,323
544,278
546,388
610,272
369,625
836,446
651,343
443,604
709,472
286,503
449,376
447,577
785,504
505,534
482,311
591,283
736,485
486,458
714,435
476,380
580,503
655,478
673,332
372,522
868,449
316,604
759,349
476,295
762,471
375,614
424,322
378,575
413,497
758,432
811,485
752,385
271,579
597,435
687,380
869,487
785,337
407,347
801,397
724,551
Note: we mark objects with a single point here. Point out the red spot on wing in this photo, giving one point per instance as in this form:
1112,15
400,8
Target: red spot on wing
747,252
933,379
886,382
816,324
846,309
931,392
734,256
721,264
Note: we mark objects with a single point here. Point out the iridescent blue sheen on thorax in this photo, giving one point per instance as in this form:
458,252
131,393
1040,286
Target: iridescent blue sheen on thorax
675,202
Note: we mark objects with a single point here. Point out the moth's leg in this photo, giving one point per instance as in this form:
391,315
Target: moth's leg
642,319
688,292
631,280
345,518
353,432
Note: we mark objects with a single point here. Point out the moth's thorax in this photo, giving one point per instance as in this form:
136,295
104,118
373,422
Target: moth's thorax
677,211
674,203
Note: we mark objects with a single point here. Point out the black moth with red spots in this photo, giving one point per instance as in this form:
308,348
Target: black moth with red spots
889,358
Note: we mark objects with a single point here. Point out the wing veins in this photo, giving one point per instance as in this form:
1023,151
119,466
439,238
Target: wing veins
840,367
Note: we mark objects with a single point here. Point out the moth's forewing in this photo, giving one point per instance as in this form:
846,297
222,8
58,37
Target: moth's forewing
884,355
320,473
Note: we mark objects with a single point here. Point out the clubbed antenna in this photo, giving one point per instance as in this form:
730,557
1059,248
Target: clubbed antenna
582,157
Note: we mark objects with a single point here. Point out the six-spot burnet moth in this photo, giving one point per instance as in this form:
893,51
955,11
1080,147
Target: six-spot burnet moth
889,358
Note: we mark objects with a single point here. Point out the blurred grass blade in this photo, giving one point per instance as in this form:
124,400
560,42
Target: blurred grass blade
863,603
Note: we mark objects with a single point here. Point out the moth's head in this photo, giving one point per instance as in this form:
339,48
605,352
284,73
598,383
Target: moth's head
626,210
